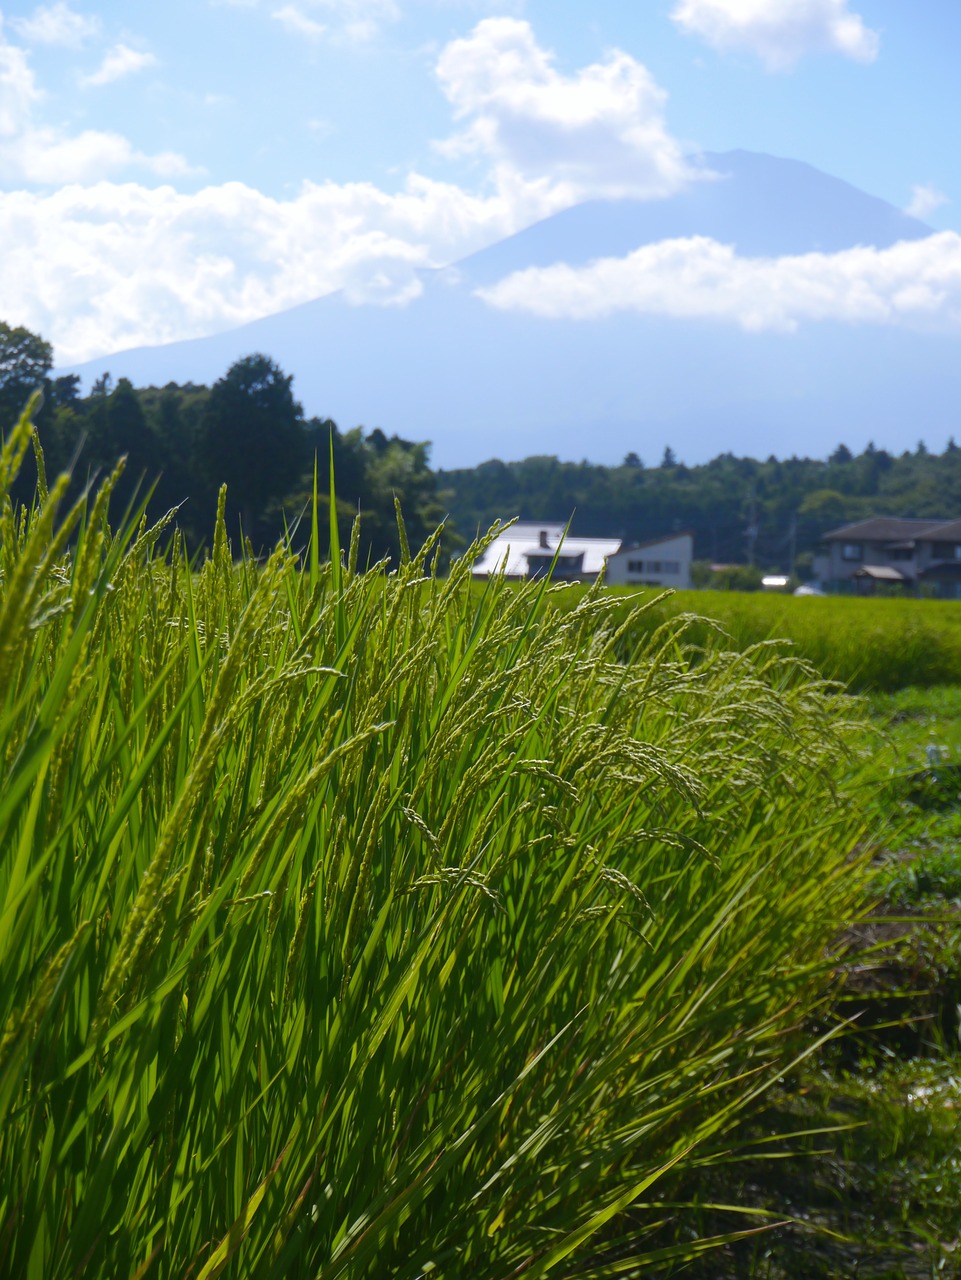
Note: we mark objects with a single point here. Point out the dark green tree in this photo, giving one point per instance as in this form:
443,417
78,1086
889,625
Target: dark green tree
252,439
25,363
65,391
399,469
128,435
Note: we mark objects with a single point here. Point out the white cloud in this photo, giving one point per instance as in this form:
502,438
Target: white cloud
354,20
46,155
49,158
119,62
114,265
924,201
913,282
18,89
296,22
56,24
391,284
600,131
779,31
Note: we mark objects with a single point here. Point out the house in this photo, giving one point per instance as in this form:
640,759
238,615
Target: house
529,550
660,562
894,552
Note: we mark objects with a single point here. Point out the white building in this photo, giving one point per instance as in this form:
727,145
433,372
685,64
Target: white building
662,562
528,550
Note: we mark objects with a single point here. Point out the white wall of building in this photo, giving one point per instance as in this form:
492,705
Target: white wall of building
662,563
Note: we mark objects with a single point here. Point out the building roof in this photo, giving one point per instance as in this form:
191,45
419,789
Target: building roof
886,529
628,548
881,573
943,571
509,551
949,531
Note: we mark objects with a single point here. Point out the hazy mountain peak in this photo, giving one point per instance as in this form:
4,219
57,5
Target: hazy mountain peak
763,205
481,382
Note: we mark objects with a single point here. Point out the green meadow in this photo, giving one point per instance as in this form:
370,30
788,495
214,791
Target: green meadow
377,925
869,644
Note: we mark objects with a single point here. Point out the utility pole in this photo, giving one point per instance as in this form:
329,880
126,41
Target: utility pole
792,544
751,532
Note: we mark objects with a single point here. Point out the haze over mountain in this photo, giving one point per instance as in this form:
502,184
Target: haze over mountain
507,354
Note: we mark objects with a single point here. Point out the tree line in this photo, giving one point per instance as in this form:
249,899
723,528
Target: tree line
770,514
248,431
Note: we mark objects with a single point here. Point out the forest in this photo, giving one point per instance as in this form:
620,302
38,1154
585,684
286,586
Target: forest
248,431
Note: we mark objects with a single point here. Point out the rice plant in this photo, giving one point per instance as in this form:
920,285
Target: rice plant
368,924
870,644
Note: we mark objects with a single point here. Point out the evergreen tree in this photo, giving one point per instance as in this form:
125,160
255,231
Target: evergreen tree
25,362
252,439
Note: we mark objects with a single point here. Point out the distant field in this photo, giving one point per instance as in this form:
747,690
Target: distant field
872,645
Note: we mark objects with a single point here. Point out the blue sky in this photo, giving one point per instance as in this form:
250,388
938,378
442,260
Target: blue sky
170,170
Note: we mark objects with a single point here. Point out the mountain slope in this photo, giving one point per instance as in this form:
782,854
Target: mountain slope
761,205
480,382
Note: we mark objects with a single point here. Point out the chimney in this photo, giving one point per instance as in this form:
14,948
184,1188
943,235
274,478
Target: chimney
543,540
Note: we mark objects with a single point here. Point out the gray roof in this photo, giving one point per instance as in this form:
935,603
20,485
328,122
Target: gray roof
943,571
887,529
881,572
628,547
950,531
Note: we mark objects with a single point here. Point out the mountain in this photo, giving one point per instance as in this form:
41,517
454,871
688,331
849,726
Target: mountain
761,205
481,383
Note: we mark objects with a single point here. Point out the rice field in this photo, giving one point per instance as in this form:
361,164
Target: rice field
368,924
869,644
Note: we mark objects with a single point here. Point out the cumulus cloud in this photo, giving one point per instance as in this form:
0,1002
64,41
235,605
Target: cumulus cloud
47,155
924,201
118,63
297,22
56,24
114,265
913,282
18,89
110,265
598,132
779,32
353,20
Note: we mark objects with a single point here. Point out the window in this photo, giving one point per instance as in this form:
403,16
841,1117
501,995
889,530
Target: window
901,553
852,551
947,550
653,566
539,565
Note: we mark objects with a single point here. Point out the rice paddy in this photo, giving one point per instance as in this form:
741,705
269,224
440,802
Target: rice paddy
869,644
371,924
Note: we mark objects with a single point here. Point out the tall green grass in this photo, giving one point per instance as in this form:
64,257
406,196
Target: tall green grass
362,925
870,644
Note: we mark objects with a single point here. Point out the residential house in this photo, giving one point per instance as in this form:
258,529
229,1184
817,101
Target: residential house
892,551
529,550
660,562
